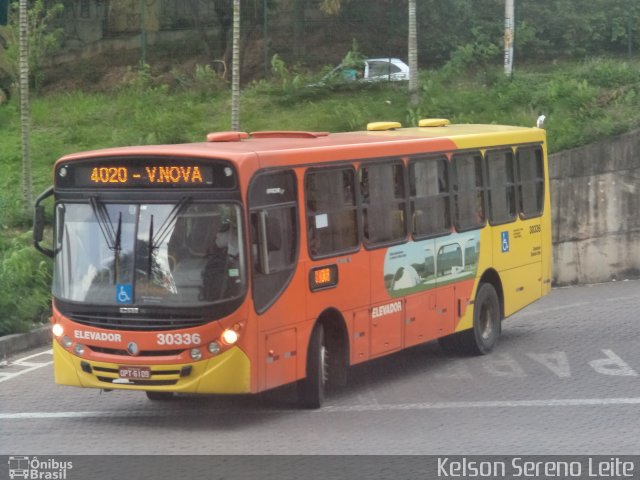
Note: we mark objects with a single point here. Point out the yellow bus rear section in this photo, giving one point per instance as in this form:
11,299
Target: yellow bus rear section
525,270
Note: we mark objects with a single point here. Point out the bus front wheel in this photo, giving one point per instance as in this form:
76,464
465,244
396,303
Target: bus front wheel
483,336
311,389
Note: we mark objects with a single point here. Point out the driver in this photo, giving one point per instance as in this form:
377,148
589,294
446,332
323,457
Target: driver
221,275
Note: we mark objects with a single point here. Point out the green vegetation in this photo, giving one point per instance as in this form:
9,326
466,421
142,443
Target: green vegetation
24,283
44,39
583,101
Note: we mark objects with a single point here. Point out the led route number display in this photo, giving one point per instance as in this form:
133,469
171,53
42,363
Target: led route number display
138,172
165,174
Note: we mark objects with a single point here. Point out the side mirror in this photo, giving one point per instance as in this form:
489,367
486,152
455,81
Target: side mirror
38,222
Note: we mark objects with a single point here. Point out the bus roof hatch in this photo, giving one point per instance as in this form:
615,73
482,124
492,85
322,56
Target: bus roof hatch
434,122
227,136
383,126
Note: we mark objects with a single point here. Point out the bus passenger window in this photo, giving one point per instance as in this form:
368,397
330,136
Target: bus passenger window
383,203
430,198
468,190
331,211
501,191
274,234
530,181
277,234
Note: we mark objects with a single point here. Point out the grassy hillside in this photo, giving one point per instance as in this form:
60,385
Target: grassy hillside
583,102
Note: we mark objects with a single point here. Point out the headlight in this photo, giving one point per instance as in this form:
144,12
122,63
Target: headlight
196,354
78,349
214,348
57,330
229,337
66,342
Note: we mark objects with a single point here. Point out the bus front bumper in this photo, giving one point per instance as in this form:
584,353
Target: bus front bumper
228,372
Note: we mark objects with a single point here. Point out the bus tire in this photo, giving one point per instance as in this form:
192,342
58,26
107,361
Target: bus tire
311,389
483,336
159,396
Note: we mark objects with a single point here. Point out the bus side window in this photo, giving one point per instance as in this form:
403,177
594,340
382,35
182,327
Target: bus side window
274,234
501,190
530,181
382,188
332,226
468,191
430,197
270,226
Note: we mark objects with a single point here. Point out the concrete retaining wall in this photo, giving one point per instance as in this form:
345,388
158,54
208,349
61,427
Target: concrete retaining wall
595,200
20,342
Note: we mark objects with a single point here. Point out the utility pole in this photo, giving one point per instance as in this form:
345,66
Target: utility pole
25,120
235,69
509,29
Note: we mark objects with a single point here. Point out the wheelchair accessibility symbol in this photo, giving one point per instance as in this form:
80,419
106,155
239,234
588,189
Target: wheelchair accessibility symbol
505,241
124,292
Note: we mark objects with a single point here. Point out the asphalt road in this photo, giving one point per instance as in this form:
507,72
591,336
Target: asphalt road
564,379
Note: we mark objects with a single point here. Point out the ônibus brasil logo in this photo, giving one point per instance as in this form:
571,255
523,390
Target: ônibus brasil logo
38,469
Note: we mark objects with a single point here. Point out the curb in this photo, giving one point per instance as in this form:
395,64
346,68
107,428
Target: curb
19,342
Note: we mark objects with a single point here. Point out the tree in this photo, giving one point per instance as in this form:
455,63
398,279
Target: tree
25,119
330,7
26,50
43,39
413,55
235,69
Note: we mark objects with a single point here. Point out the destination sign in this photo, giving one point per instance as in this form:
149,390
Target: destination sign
142,173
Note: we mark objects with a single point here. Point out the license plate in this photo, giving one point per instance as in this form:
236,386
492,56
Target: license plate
134,372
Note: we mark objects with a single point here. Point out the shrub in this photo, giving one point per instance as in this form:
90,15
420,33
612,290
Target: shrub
25,279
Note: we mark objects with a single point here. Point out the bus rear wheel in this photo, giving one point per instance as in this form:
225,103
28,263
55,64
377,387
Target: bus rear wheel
483,336
311,389
159,396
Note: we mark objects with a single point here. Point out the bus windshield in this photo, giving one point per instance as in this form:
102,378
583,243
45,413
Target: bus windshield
170,254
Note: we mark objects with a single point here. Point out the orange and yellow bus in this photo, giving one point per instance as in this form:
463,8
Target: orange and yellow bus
252,261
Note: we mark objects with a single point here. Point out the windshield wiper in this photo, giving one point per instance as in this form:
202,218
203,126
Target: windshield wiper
151,247
104,222
116,248
167,226
157,238
113,237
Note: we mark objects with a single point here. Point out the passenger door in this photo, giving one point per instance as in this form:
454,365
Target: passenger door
277,282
